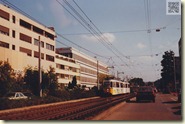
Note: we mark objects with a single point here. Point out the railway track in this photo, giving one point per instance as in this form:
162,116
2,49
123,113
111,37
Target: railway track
72,110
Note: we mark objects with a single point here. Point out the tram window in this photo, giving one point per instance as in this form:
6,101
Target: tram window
110,84
117,84
121,85
124,85
114,84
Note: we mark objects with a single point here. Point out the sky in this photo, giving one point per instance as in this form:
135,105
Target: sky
124,31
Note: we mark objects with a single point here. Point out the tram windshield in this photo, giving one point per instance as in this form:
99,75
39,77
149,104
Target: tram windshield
107,84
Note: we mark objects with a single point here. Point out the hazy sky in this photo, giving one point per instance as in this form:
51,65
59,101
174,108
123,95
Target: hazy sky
127,37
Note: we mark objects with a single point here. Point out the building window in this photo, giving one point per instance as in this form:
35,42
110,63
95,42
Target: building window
25,24
25,50
13,19
13,47
3,44
36,55
36,42
4,30
25,38
60,66
4,15
50,58
13,33
49,47
38,30
49,35
42,44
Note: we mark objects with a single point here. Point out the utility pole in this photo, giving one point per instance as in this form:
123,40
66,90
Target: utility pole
39,69
97,73
174,72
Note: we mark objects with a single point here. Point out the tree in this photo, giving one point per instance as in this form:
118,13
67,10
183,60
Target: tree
31,78
6,77
137,81
52,80
72,84
167,72
49,81
74,81
102,77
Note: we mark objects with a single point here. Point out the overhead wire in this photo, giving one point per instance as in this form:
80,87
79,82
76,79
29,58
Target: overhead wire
93,31
27,15
102,35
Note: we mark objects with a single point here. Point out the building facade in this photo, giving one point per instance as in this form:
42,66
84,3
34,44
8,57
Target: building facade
66,69
89,67
19,45
19,41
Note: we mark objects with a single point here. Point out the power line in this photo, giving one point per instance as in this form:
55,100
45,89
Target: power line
27,15
92,30
107,41
80,46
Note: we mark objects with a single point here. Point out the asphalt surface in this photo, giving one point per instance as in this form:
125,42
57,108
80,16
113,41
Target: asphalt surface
166,108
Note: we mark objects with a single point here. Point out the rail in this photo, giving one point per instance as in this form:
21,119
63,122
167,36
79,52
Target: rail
76,110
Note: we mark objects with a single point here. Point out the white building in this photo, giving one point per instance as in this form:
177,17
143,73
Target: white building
66,69
19,45
19,38
88,65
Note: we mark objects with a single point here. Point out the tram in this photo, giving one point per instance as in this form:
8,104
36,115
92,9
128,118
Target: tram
115,87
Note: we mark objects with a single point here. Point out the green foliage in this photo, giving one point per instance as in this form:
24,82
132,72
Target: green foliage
31,78
6,77
73,84
136,82
167,72
9,104
49,81
62,94
10,81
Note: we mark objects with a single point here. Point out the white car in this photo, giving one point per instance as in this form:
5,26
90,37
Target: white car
16,95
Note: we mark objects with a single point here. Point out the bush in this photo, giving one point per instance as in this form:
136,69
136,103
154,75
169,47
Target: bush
62,94
10,104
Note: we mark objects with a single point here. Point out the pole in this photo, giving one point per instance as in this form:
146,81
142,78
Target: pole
174,72
39,70
98,74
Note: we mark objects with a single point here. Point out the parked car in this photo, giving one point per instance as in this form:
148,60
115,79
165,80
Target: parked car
145,93
16,96
29,95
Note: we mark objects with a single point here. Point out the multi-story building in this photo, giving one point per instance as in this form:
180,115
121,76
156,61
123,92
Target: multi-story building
19,45
66,69
88,66
19,40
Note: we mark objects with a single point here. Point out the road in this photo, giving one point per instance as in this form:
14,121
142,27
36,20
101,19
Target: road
165,108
